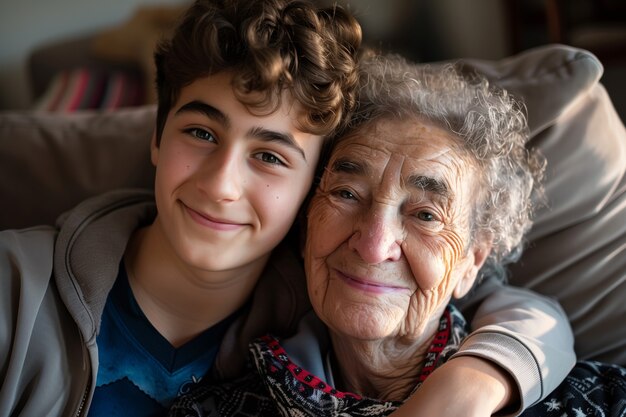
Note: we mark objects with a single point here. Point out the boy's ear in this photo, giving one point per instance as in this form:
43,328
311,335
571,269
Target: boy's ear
154,149
478,255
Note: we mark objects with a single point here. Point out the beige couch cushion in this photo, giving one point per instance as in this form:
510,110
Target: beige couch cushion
50,162
577,248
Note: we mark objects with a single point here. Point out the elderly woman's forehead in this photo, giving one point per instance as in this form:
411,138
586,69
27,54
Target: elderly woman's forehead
414,136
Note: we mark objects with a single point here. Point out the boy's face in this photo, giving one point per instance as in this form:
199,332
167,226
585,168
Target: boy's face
229,183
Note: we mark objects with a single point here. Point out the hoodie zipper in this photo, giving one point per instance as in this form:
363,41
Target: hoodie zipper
86,363
81,405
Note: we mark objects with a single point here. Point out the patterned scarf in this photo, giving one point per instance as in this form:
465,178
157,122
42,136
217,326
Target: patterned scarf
276,386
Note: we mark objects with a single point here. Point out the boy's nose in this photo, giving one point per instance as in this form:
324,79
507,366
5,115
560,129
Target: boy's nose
223,179
378,236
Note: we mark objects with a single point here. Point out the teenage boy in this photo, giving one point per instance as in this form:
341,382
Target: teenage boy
124,306
128,302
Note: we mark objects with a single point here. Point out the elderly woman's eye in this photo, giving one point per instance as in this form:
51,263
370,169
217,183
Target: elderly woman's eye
346,194
425,216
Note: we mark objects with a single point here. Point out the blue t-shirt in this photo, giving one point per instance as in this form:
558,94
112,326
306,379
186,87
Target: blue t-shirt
140,372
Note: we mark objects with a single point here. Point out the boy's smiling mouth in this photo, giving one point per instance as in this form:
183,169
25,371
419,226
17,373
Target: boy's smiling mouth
212,222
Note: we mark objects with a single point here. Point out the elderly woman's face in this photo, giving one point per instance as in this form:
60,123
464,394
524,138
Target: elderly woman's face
388,231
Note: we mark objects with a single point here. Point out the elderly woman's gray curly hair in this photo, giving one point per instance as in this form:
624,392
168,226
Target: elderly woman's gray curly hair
490,124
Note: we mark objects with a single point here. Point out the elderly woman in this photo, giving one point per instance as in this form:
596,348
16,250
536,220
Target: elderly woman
428,189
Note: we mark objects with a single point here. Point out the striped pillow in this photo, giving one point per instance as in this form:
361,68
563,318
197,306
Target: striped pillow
86,88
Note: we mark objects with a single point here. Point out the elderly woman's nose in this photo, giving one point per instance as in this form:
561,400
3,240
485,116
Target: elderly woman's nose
377,238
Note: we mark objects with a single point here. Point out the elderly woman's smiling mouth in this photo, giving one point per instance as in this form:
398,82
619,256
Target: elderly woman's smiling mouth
368,284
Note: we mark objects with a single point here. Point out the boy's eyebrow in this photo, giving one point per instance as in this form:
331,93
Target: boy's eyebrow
257,132
418,181
209,111
274,136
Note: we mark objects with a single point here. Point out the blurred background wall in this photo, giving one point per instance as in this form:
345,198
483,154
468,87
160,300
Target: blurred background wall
28,24
423,30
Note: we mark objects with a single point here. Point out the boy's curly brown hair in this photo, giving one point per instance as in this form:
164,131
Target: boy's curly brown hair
270,45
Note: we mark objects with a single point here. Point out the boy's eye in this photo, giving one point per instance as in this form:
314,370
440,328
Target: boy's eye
202,134
269,158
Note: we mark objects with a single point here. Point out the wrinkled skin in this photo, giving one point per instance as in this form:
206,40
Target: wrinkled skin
389,244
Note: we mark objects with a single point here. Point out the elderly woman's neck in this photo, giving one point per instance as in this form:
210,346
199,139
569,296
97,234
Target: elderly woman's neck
385,369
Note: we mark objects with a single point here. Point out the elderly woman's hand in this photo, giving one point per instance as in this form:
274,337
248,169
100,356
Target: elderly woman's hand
463,387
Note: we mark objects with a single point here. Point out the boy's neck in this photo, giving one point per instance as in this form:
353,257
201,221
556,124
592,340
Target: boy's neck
181,301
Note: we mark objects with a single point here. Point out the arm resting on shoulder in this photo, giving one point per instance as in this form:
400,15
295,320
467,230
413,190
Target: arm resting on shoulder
465,387
521,349
526,334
